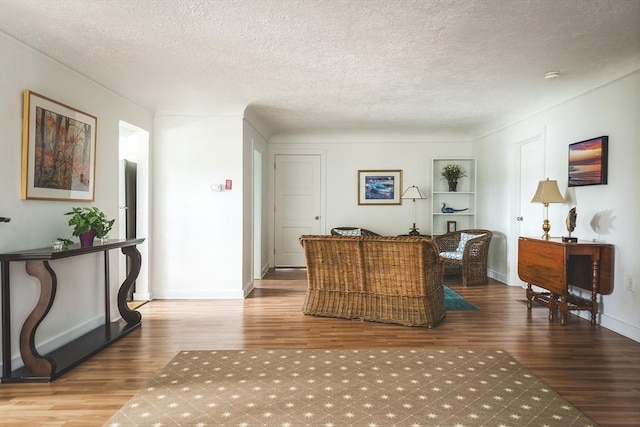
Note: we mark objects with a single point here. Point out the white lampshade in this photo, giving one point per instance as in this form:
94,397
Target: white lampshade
412,192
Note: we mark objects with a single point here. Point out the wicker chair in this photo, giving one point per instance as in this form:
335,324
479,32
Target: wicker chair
468,258
352,231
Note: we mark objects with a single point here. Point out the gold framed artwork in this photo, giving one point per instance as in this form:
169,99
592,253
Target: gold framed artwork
58,150
379,187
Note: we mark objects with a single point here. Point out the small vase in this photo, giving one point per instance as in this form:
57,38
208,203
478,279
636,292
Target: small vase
86,239
452,185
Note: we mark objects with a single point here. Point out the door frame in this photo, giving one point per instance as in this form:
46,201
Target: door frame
275,151
139,140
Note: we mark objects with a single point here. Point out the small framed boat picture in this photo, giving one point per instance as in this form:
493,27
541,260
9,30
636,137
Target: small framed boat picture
379,187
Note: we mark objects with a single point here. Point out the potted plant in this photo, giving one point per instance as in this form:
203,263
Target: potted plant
452,173
88,223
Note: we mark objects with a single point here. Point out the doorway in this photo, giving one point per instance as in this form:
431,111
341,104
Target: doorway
130,209
133,199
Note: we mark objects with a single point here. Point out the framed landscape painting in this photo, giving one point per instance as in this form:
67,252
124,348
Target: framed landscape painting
379,187
588,162
58,150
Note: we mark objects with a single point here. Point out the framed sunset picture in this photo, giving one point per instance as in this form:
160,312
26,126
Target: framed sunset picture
588,162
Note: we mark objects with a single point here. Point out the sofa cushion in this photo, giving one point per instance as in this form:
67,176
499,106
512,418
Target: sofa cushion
352,232
451,255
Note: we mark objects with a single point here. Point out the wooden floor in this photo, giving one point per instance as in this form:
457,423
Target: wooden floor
595,369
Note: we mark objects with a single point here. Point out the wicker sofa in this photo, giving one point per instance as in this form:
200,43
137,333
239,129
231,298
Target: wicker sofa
375,278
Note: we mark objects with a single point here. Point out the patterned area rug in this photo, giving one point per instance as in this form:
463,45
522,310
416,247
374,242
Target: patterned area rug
370,387
454,301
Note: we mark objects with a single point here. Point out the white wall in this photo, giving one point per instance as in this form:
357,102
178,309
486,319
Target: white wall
198,233
79,303
606,213
348,152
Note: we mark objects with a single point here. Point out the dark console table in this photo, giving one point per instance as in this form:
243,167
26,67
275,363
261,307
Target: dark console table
44,368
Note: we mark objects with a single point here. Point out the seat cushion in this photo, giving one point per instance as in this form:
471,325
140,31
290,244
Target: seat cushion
353,232
452,255
464,238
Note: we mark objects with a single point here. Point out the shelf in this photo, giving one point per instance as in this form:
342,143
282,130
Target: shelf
453,214
77,351
465,197
453,193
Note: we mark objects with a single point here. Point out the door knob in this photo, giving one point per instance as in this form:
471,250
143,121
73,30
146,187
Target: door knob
519,218
316,217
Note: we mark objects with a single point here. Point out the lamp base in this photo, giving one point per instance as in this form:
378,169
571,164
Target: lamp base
569,239
414,231
546,227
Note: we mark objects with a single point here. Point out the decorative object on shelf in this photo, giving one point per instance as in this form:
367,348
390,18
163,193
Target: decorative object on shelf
58,150
451,226
588,162
572,216
379,187
65,242
89,223
452,173
447,209
547,192
413,193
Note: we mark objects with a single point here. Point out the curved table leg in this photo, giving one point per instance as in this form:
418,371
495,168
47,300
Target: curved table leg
130,316
39,365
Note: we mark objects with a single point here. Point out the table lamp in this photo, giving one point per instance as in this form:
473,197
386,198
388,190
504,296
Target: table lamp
414,193
546,193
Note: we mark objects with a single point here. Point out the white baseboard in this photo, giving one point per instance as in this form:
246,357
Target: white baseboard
142,296
497,276
199,294
614,325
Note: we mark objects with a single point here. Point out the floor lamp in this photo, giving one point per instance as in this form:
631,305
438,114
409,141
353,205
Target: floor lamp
547,192
414,193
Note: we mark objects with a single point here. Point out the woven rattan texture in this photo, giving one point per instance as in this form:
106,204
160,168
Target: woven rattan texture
473,264
382,279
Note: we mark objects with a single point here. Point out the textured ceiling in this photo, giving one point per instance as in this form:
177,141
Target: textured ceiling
464,65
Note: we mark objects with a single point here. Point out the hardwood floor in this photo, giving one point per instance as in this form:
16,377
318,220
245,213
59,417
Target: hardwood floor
595,369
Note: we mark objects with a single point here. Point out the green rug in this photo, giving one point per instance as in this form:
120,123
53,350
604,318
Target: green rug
453,301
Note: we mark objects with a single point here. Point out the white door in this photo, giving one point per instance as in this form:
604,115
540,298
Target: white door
529,215
297,205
